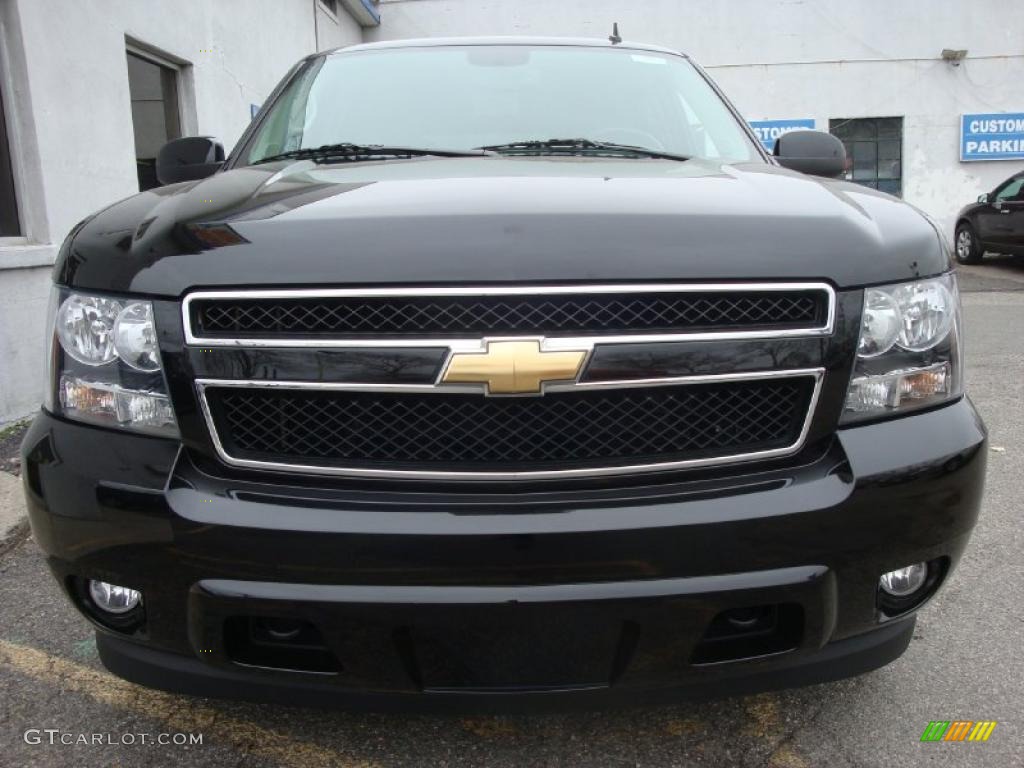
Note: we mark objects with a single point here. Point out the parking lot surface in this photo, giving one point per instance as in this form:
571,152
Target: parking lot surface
963,664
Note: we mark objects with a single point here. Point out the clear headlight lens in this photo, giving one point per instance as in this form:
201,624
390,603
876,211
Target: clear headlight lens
135,337
105,367
927,309
85,326
909,350
880,324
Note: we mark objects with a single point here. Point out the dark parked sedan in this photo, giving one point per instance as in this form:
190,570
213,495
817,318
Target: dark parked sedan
994,223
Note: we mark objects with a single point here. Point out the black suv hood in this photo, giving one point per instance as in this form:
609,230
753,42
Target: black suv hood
487,220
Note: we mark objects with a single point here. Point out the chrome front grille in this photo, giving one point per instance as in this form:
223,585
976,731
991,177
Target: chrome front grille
545,314
448,428
416,316
577,430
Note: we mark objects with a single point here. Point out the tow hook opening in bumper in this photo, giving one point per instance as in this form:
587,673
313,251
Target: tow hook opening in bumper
278,643
751,632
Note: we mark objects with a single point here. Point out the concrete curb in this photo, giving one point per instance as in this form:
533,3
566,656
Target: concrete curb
13,518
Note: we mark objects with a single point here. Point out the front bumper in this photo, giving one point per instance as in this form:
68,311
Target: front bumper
473,598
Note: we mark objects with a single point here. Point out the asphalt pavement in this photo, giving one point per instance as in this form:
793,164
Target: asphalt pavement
963,664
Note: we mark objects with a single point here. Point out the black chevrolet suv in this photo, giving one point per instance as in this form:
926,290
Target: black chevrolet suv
493,371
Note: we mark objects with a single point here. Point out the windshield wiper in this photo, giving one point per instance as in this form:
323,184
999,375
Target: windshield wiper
368,151
578,147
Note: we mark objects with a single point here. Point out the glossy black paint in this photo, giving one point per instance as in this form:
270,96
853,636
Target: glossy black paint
814,152
365,365
189,159
695,358
877,497
997,224
498,220
185,674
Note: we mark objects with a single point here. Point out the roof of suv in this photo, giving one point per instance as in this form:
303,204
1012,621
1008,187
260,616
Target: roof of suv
431,42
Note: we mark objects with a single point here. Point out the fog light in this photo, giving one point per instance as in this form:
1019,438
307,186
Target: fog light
112,598
904,581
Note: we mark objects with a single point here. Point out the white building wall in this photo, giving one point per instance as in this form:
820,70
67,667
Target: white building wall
65,84
779,59
335,30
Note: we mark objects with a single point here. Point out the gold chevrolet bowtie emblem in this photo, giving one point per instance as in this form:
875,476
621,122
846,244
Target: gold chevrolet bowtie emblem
513,367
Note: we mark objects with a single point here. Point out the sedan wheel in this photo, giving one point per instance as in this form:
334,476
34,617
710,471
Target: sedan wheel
968,251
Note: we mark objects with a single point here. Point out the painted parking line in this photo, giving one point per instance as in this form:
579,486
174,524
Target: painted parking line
178,713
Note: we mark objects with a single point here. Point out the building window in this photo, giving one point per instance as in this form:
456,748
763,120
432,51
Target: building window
156,118
874,151
331,6
9,222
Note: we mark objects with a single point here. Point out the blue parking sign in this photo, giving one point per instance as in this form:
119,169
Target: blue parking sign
769,130
996,136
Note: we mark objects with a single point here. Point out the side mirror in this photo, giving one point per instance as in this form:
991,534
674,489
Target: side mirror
983,198
194,157
814,152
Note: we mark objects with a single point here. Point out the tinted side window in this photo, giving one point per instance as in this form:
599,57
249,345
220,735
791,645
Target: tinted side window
1012,192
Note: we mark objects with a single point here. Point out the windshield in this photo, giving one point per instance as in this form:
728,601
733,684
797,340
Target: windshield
463,97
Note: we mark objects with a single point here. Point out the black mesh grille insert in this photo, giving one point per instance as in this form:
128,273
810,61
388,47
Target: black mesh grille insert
460,432
496,315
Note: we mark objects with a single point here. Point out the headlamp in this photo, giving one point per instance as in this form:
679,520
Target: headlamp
104,364
909,349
